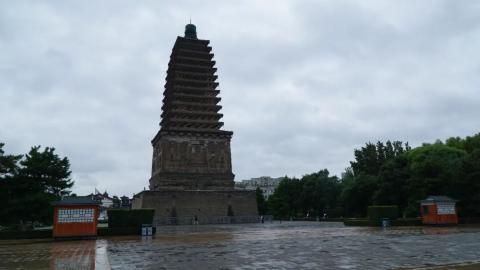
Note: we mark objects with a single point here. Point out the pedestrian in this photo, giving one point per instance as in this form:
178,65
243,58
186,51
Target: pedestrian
195,220
262,219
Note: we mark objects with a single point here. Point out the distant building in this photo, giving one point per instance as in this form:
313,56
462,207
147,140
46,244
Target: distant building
107,202
266,183
125,202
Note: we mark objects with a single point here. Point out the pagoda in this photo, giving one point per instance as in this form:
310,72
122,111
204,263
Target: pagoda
191,152
191,166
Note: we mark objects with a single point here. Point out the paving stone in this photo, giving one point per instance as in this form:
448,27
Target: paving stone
289,245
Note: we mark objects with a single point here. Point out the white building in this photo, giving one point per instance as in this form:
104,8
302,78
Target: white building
266,183
106,203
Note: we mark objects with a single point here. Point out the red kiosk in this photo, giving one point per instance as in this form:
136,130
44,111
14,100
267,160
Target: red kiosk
75,217
439,210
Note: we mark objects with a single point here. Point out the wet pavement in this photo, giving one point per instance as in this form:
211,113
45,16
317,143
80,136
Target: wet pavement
289,245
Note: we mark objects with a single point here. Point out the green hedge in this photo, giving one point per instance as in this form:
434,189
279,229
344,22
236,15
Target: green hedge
378,223
121,231
407,222
359,222
377,212
26,234
334,212
123,218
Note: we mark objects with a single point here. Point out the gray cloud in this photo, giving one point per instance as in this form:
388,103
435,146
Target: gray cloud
303,82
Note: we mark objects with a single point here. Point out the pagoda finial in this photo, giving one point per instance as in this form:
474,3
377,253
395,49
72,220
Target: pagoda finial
190,30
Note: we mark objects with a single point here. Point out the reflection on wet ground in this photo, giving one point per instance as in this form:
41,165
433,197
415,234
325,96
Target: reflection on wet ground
289,245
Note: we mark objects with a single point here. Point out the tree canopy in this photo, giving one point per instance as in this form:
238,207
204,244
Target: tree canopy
28,183
390,173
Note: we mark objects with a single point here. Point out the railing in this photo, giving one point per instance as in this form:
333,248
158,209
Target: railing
190,220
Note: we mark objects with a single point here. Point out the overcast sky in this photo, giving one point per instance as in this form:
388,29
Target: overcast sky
302,83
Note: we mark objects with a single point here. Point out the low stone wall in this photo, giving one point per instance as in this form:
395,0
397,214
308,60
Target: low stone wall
209,206
190,220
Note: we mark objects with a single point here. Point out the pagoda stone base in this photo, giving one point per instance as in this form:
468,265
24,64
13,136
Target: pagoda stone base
188,181
209,206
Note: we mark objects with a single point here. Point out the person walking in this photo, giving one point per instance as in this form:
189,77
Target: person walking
195,220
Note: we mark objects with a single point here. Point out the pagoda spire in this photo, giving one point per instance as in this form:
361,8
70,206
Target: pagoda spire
191,101
190,30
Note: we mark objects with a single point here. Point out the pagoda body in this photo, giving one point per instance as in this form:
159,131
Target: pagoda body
191,152
191,165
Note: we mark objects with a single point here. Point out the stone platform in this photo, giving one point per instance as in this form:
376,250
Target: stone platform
209,206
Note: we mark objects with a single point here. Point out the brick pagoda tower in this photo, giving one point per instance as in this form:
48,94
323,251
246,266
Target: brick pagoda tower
191,166
190,151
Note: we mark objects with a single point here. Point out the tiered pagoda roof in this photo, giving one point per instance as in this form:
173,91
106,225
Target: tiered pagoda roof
191,101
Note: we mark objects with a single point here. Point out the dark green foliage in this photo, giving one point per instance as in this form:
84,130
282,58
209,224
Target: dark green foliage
121,231
313,195
369,159
393,174
8,169
373,223
359,222
230,211
406,222
36,234
116,202
261,203
46,171
435,169
388,173
392,184
366,182
284,202
120,218
337,212
29,184
358,193
377,212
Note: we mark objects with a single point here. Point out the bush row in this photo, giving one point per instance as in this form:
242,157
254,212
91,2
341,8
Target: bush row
377,212
378,223
124,218
26,234
121,231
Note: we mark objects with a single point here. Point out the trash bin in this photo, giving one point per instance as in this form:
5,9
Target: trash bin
385,222
147,229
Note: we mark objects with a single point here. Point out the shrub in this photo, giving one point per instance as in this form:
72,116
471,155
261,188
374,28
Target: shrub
26,234
121,231
120,218
377,223
376,212
359,222
334,212
407,222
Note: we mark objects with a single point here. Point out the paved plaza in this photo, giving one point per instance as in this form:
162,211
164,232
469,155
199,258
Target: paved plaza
289,245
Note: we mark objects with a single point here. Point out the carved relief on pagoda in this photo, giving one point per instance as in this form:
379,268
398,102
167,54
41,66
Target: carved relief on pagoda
189,155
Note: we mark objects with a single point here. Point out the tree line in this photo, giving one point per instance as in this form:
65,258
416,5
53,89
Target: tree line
390,173
30,182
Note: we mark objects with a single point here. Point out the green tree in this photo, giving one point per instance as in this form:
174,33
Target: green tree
469,203
285,201
370,158
435,170
261,203
47,170
8,168
365,184
392,183
320,193
41,178
357,194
